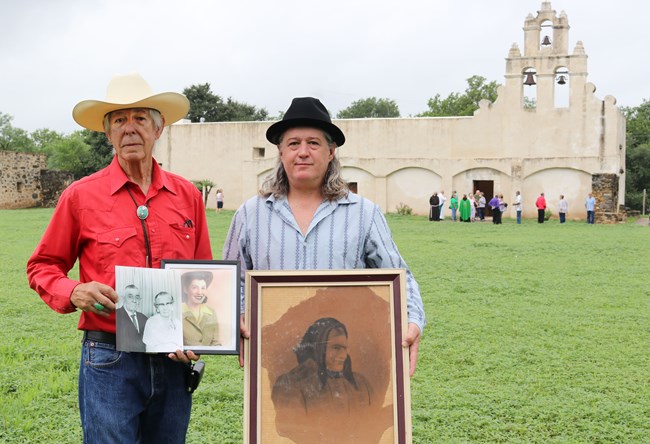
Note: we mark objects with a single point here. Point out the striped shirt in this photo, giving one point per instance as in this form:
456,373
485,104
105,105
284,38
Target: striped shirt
344,234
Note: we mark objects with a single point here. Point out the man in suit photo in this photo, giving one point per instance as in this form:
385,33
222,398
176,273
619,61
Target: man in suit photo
130,321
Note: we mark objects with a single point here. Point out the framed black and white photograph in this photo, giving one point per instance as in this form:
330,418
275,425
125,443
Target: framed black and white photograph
187,305
325,361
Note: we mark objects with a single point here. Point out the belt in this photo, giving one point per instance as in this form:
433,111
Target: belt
99,336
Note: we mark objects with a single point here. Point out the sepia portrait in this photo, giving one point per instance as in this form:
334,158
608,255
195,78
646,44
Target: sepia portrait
325,362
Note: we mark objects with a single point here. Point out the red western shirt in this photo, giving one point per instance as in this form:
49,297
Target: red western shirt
95,221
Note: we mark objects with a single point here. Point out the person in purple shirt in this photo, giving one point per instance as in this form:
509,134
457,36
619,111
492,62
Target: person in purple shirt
496,209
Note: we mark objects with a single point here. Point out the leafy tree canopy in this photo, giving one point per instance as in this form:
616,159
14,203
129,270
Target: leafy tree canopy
370,107
637,155
638,124
204,103
100,148
44,138
462,104
72,154
14,139
204,186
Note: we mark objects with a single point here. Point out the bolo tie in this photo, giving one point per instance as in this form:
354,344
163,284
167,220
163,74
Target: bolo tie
142,211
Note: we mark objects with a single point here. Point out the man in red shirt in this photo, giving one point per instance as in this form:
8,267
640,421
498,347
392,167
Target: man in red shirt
540,203
131,213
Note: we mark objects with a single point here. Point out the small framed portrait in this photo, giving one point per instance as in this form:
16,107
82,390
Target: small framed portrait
325,361
209,298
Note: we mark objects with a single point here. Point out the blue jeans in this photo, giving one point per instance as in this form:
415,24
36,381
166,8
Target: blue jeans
453,214
562,217
131,397
519,217
590,217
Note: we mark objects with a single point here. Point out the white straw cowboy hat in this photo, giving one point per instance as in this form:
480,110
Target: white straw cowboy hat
130,91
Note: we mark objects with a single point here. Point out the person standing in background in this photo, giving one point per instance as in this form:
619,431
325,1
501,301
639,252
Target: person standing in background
453,205
443,199
496,209
563,208
219,200
517,205
434,210
466,209
502,207
590,205
480,202
472,209
540,203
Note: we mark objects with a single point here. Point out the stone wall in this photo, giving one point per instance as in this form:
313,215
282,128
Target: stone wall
20,175
52,185
25,183
605,190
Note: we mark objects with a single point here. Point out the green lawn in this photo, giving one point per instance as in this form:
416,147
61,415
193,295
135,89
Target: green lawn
536,333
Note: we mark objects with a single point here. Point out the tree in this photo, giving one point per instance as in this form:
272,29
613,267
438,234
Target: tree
71,154
44,138
14,139
100,148
457,104
211,107
637,156
370,107
204,186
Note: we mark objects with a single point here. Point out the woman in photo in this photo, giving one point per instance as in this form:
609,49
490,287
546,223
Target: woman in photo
162,333
322,399
200,325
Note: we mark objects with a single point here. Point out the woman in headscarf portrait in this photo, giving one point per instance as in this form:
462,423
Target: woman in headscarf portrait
322,399
323,378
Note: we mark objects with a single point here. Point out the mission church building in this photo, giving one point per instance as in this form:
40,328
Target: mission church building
546,132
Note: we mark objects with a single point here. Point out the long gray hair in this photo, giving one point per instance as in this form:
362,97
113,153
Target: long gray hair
332,188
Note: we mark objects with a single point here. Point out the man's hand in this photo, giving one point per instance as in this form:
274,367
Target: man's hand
412,341
243,334
85,296
184,356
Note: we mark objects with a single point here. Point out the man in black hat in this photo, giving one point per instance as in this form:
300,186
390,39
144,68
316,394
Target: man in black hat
305,217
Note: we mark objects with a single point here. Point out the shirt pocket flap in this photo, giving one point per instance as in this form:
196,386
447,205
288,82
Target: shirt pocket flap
182,231
116,237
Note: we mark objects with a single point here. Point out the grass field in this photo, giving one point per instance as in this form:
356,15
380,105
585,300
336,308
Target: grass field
536,333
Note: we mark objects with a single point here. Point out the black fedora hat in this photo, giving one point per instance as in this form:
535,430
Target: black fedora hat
309,112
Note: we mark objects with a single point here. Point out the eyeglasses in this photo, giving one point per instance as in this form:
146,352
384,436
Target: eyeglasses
163,304
134,298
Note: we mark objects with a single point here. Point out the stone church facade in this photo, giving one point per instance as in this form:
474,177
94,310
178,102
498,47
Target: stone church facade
546,132
516,143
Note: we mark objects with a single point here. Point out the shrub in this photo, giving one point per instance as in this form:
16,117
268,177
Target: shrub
404,210
547,214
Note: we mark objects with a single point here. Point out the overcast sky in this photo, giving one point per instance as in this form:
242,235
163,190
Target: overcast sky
56,53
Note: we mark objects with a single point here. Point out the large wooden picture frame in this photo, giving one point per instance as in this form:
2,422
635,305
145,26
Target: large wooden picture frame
325,361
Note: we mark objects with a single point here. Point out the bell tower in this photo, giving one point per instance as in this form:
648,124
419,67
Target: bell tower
546,70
